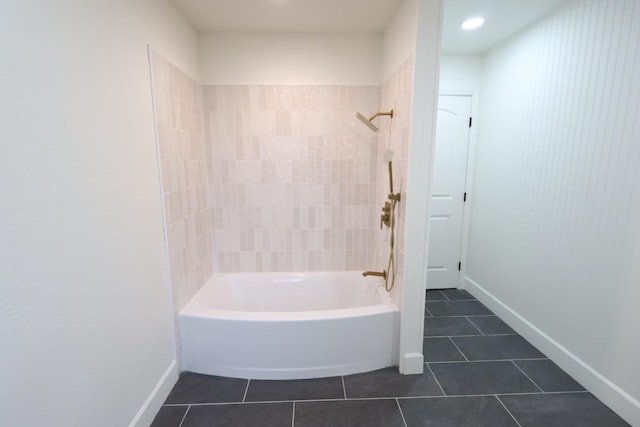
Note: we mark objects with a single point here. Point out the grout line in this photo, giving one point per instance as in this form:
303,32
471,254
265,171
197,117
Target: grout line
427,310
245,391
544,392
507,409
465,315
530,393
502,335
534,358
451,336
475,326
293,415
184,416
401,414
483,360
435,378
525,374
445,295
456,346
344,389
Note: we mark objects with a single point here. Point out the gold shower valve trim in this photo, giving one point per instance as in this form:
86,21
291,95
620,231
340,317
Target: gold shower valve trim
385,218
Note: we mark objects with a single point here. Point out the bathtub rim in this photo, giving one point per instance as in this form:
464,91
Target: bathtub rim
293,316
194,309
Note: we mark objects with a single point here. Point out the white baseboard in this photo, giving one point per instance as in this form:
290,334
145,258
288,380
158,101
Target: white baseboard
412,364
156,398
613,396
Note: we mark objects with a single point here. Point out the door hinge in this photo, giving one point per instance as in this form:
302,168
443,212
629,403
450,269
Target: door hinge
464,198
459,265
470,121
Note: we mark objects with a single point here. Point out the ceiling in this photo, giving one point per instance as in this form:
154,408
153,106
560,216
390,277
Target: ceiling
289,15
503,17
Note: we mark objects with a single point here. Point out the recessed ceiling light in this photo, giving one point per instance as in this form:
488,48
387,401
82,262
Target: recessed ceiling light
472,23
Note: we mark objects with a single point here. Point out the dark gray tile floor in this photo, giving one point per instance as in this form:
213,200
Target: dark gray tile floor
478,372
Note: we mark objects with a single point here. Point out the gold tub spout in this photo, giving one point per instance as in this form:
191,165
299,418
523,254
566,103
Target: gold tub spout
382,274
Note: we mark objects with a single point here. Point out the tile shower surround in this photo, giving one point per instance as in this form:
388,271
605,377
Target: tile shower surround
293,182
482,374
277,177
185,162
396,94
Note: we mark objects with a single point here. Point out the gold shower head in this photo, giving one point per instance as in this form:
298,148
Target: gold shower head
367,122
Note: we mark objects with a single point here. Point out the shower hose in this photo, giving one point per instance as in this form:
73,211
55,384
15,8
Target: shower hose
391,267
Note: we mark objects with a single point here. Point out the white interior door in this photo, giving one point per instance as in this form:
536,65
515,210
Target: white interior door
448,191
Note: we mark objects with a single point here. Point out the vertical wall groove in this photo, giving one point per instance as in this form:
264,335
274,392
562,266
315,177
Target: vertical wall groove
555,226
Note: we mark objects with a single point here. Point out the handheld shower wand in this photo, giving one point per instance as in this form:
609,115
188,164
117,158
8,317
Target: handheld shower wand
392,195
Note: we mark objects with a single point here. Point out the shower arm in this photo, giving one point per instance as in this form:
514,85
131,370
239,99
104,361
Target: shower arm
382,113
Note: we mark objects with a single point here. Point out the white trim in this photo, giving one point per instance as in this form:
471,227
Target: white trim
413,363
423,113
156,398
604,389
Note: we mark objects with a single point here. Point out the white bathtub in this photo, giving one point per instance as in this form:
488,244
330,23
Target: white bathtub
289,326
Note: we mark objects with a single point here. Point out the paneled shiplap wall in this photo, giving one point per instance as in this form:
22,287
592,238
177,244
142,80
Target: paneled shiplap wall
555,231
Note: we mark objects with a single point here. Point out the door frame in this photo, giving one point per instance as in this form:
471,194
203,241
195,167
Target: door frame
468,184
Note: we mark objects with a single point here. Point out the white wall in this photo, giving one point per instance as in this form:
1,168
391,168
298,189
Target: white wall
421,135
400,37
291,58
555,231
460,73
85,319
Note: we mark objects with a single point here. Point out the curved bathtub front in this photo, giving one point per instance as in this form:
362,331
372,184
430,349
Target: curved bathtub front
292,344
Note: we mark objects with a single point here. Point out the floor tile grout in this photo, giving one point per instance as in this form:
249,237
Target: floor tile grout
485,360
244,398
532,393
451,336
184,416
344,388
525,374
293,415
459,350
436,379
508,411
474,325
464,315
401,414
